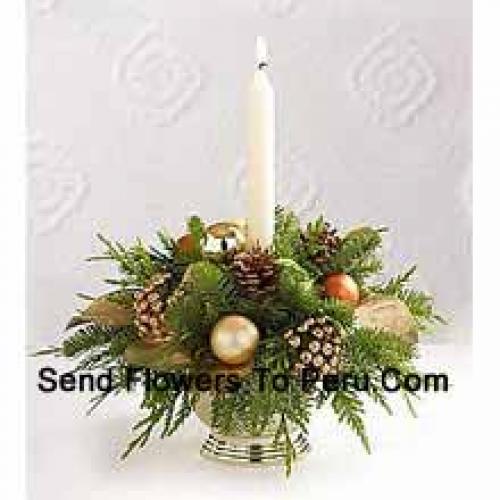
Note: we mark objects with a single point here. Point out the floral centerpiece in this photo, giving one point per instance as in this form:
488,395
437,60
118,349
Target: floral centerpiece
253,340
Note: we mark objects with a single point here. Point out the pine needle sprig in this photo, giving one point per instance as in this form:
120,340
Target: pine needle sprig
370,352
368,349
206,295
97,347
86,339
349,409
166,408
282,435
357,254
135,263
286,243
118,385
420,304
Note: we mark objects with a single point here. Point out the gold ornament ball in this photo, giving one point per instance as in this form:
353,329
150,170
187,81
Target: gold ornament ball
342,287
224,236
234,340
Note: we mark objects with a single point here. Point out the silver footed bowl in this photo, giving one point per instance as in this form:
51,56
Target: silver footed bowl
242,447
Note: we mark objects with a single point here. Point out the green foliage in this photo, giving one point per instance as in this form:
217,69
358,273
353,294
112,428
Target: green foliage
357,255
299,293
97,346
207,294
204,291
350,410
255,408
167,409
197,229
369,352
258,408
420,304
296,288
282,435
85,339
287,234
118,382
310,245
136,263
368,349
164,253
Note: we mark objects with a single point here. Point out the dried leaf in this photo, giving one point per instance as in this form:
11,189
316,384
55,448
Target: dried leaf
157,357
103,311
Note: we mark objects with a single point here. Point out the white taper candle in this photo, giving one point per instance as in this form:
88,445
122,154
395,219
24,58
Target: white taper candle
261,153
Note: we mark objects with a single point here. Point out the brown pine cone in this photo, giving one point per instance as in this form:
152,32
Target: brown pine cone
256,272
149,307
317,343
321,245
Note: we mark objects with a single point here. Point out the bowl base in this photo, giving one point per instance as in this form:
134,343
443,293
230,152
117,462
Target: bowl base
251,450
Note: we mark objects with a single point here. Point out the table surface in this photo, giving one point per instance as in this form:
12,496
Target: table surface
74,456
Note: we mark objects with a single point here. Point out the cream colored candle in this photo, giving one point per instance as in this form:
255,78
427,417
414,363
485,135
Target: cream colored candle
261,153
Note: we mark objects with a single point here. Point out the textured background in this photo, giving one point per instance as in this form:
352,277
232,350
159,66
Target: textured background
136,120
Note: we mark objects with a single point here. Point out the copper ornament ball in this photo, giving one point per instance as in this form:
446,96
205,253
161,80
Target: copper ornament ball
234,340
186,243
342,287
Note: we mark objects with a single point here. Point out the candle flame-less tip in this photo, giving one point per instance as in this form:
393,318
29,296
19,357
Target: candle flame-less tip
261,54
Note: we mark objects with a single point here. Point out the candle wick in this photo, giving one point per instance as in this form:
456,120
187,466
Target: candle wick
261,54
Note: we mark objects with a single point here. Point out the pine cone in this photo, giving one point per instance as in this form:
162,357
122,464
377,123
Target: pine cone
149,306
256,272
318,345
321,245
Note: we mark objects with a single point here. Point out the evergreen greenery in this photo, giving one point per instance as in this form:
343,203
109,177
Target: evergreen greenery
204,291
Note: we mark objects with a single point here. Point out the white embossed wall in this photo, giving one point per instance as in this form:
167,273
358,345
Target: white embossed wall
136,119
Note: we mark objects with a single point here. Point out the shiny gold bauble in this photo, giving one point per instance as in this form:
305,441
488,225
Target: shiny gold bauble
342,287
219,237
224,236
234,340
